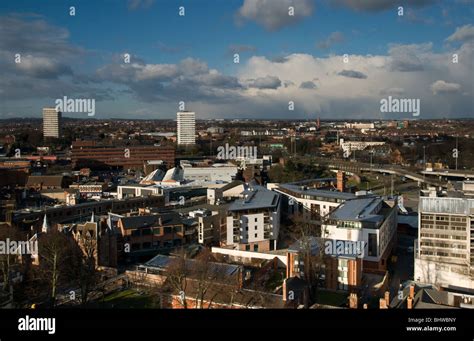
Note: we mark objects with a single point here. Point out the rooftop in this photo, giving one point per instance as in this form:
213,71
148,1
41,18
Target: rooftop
303,190
446,205
254,198
360,209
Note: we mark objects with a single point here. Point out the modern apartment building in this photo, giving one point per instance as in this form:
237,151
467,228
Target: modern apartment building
370,221
186,128
51,123
211,226
340,271
312,204
444,255
253,220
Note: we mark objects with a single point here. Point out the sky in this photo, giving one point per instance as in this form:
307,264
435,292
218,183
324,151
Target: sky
333,59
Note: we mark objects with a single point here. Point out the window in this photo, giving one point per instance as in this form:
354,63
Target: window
157,231
256,219
255,247
136,233
247,247
256,235
372,244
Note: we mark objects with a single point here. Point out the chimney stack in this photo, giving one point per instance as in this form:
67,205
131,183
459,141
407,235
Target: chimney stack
340,181
412,291
353,304
387,297
284,291
409,303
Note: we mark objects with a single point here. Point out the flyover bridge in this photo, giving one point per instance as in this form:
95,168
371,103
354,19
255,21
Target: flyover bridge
357,167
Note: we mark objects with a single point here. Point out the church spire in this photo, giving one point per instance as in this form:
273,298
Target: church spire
46,227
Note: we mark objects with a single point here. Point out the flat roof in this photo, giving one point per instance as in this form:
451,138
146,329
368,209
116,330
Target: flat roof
318,192
359,209
254,198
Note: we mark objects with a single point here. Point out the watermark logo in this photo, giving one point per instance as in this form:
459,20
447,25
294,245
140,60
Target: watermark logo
344,248
28,323
85,105
13,247
236,152
400,105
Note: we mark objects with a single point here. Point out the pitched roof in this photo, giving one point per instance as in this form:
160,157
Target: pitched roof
45,180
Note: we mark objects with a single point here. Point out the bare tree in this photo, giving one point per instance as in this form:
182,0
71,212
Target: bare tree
84,270
311,252
54,252
177,277
8,259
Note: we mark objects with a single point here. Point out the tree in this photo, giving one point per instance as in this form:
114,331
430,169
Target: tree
312,253
177,277
8,260
54,252
84,270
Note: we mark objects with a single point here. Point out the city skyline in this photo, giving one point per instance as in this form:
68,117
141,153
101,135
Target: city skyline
284,61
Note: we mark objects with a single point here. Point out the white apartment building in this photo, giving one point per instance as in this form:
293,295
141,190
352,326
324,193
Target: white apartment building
371,220
51,122
444,255
186,128
253,221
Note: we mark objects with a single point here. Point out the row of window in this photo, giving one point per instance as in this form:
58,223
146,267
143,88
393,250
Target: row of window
445,245
156,244
443,218
443,254
443,236
440,227
156,231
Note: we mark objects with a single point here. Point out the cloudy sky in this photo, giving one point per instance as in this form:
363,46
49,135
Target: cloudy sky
331,58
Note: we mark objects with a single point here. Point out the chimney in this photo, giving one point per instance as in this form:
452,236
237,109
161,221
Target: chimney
383,304
353,304
340,181
284,291
412,291
409,303
387,297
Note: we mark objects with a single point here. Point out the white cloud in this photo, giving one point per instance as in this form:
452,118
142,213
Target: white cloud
442,87
463,33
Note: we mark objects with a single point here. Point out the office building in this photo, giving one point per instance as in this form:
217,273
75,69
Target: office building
127,157
186,128
51,123
444,255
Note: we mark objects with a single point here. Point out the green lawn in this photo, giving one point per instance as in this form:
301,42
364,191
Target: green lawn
129,298
331,298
